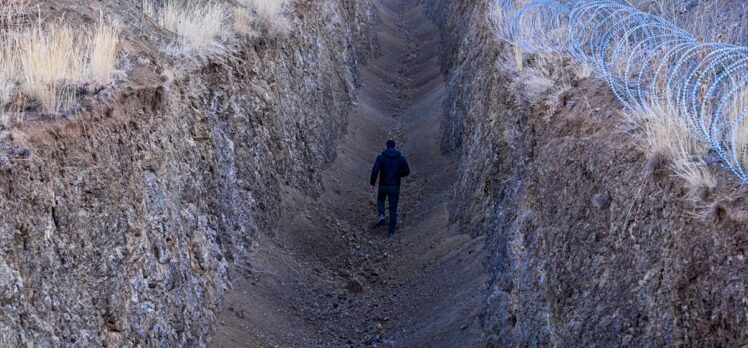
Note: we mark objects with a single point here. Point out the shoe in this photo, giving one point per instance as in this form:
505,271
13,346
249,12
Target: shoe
390,235
381,221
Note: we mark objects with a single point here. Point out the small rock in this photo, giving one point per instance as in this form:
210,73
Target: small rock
5,163
601,200
354,286
24,154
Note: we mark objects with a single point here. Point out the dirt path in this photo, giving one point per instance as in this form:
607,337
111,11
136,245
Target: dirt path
327,277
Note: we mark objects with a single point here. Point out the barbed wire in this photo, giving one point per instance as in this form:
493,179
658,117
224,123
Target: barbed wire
646,60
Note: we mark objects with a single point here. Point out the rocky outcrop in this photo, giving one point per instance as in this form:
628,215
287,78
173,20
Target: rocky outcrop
119,226
586,248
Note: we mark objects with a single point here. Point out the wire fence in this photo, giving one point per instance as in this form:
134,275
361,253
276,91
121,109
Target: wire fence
647,61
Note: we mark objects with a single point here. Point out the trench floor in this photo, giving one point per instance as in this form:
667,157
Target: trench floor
327,276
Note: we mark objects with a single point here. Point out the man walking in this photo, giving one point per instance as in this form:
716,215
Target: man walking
390,166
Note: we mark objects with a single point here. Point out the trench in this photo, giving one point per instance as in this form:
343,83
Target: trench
327,276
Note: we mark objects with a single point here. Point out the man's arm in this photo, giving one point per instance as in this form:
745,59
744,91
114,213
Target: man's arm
404,168
375,172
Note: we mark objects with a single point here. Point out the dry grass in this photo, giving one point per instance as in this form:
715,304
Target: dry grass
707,19
203,28
243,20
518,57
151,9
498,19
581,71
738,107
668,141
8,73
269,18
8,85
51,59
102,52
536,80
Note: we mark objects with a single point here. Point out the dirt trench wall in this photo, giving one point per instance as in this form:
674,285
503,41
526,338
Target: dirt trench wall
587,249
121,226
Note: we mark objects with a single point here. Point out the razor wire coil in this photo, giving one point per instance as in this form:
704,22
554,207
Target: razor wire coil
646,60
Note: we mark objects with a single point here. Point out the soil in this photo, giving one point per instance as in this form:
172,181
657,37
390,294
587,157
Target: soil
327,275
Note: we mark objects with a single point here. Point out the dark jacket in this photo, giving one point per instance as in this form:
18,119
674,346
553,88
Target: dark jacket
390,167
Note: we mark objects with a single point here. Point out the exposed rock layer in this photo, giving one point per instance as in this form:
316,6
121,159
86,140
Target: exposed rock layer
120,227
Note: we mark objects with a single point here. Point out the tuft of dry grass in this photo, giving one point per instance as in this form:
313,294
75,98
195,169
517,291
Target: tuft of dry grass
739,106
518,57
668,141
54,59
8,73
536,80
202,27
102,52
243,20
581,71
51,58
269,18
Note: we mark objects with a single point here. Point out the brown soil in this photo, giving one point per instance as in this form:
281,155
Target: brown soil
327,276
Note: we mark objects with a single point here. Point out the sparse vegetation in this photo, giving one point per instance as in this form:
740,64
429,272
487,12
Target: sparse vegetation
207,29
738,109
203,28
668,142
48,62
11,13
581,71
102,53
56,58
51,60
8,73
540,79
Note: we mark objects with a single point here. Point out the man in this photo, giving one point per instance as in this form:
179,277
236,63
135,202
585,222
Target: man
390,167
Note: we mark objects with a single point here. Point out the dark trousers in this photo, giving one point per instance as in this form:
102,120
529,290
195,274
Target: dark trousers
393,193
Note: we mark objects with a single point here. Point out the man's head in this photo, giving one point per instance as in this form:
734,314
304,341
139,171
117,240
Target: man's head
390,144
